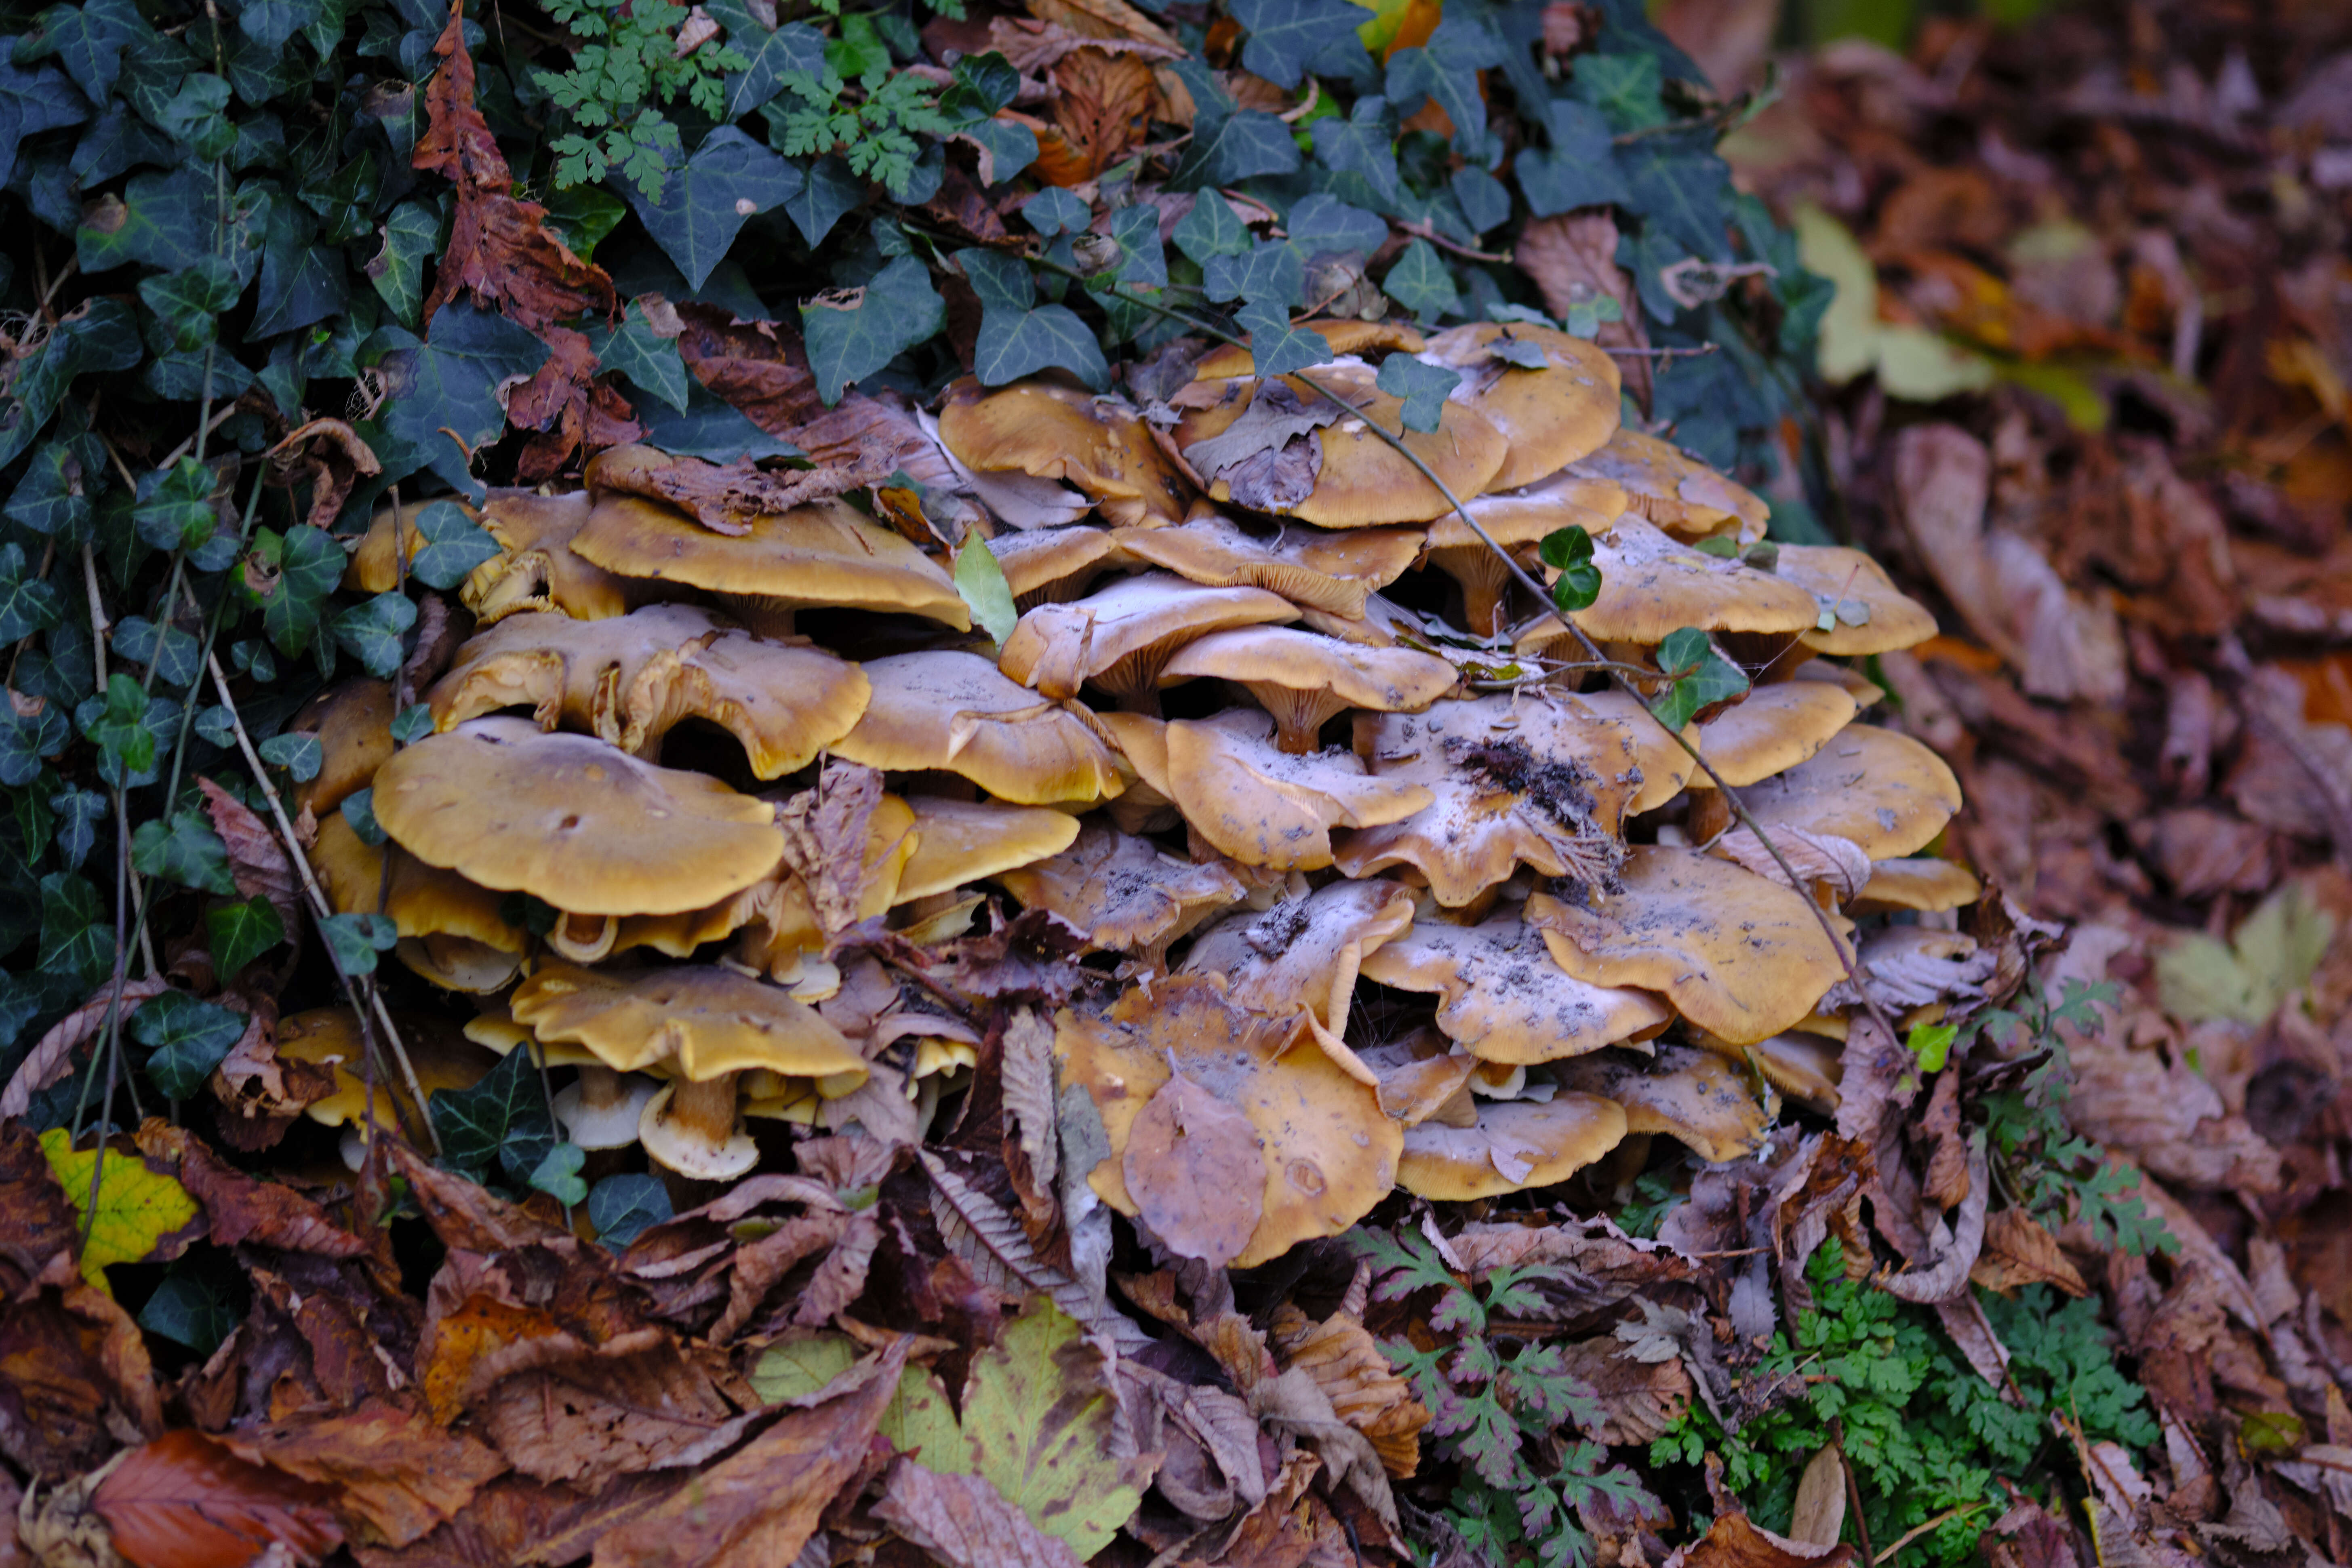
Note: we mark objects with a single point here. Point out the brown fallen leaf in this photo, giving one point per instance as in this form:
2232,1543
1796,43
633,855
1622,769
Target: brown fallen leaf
185,1502
1820,1514
1736,1541
75,1377
759,367
1102,108
52,1054
965,1523
1365,1391
396,1476
1572,257
240,1208
1271,456
2019,1251
572,409
1182,1156
759,1507
726,497
257,860
824,840
517,1522
1945,1182
37,1224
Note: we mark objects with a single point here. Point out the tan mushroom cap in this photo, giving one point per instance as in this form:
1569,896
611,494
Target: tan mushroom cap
1345,336
1666,767
450,930
1385,624
1928,885
1736,954
961,841
1120,636
1516,1145
1126,893
826,554
1055,431
1421,1075
956,712
1363,482
373,568
1518,521
1837,577
1330,1152
1141,745
573,821
1865,691
1334,573
1262,805
1694,1096
785,702
1044,565
352,721
1772,729
536,569
1543,781
1302,955
330,1037
1675,490
783,932
1503,999
1550,416
1651,585
1304,680
1881,790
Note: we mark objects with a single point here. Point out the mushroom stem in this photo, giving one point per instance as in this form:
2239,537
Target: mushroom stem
1298,716
707,1107
600,1087
584,939
1484,579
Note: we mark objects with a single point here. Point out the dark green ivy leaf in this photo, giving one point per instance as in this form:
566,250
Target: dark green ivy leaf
1229,143
1482,197
372,632
1569,551
504,1119
123,724
1322,225
1364,143
196,1305
174,509
848,342
270,23
1282,35
1272,272
558,1172
86,39
1018,337
622,1207
80,811
303,278
27,738
358,810
1143,263
1678,184
77,946
1445,70
650,361
164,221
454,543
239,933
1422,385
827,190
189,1039
98,335
196,117
1419,281
189,303
703,207
51,498
297,752
1580,168
27,603
309,564
412,233
357,939
710,427
1703,678
451,380
413,723
1054,211
1278,348
1622,85
184,848
1211,228
794,46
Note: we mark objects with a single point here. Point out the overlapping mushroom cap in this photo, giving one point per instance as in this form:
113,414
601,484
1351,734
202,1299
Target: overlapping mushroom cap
1875,787
1675,491
1504,998
1054,430
1119,638
956,712
1333,573
536,569
451,931
1304,679
1126,893
1652,584
1302,955
1514,1146
1554,397
1517,521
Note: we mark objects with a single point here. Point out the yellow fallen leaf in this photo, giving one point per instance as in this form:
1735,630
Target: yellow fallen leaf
138,1207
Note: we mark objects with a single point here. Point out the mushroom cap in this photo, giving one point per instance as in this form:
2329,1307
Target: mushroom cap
1675,490
1346,336
1836,576
1363,482
1054,430
961,841
1303,953
1041,560
680,934
536,569
1385,624
1516,1145
1881,790
826,554
1651,585
957,711
573,821
496,1031
1550,416
1773,728
1530,513
1264,806
451,930
1666,767
372,568
569,673
1119,636
1691,1095
330,1037
1737,955
1334,573
1928,885
670,1141
1126,893
1419,1075
1845,677
1390,679
1330,1152
1503,999
1805,1067
784,701
708,1021
353,723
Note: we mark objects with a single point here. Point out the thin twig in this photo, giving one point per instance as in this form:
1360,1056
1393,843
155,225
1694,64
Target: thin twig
1424,231
1663,356
1917,1530
1852,1492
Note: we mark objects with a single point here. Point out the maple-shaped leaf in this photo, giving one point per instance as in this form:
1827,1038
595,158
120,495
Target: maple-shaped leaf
1038,1414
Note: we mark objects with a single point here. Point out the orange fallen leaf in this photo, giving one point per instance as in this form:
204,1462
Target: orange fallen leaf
184,1501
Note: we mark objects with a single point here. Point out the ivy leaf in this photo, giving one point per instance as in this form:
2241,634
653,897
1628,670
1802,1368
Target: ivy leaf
1569,551
1622,85
1211,230
189,1039
357,939
453,545
27,603
80,811
1285,35
412,234
309,564
53,497
1018,337
303,278
1422,385
828,189
1482,197
196,117
1229,143
503,1118
184,848
1322,225
794,46
98,335
358,809
558,1172
413,723
448,385
298,753
980,580
239,933
622,1207
1054,211
1446,72
1678,184
1143,263
1272,273
76,945
650,361
1278,348
850,339
190,303
139,1209
372,632
702,207
88,40
711,427
1703,678
162,221
122,724
1581,168
1363,144
195,1306
270,23
175,508
1419,281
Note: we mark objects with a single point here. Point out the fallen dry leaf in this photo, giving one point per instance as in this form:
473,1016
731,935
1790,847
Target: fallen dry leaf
2018,1252
185,1502
965,1523
1182,1154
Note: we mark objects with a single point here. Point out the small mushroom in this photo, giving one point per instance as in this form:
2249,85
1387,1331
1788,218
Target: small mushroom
1328,1151
1055,430
1691,1095
1514,1146
1120,636
1736,954
1866,612
1333,573
1302,955
1516,519
600,1107
1304,680
1054,566
451,931
373,568
536,569
1881,790
1652,584
1126,893
1928,885
1503,999
1262,805
1551,415
1345,336
352,721
955,711
1772,729
961,841
713,1025
825,554
1676,491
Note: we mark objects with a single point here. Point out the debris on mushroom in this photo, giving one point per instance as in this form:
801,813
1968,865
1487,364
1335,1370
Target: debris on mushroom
1118,638
1053,429
1562,407
1305,680
1503,998
956,712
1302,955
1861,612
1694,1096
1262,805
1126,893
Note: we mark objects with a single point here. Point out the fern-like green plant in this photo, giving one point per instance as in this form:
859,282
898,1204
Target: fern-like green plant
627,66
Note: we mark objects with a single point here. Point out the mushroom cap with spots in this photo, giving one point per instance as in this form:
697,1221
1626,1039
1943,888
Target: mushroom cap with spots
1344,336
1867,614
1675,490
1652,584
1304,679
1552,415
1330,1152
1262,806
1514,1146
1771,730
1739,956
451,930
536,569
1302,955
1127,893
353,723
1120,636
1053,429
1927,886
1502,997
958,712
576,823
1361,481
569,673
1881,790
1696,1097
962,841
825,554
1333,573
1054,566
